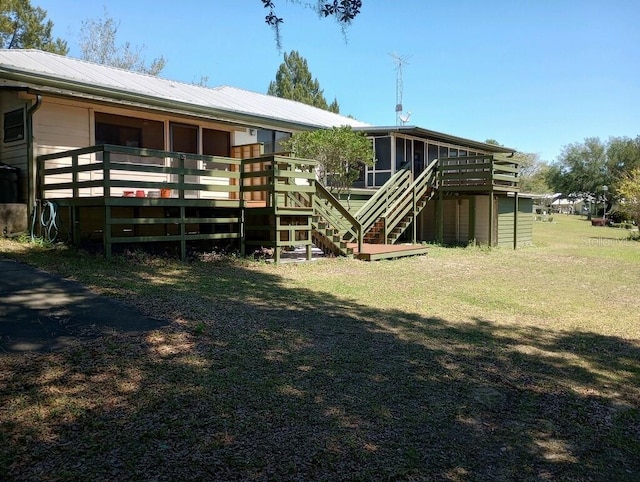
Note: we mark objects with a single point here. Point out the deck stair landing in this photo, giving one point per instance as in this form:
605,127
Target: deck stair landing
376,252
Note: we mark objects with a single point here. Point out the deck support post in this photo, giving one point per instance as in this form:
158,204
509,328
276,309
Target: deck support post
75,225
243,245
491,218
441,217
415,218
183,234
515,220
106,232
472,219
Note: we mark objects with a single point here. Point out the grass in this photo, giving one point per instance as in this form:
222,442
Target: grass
465,364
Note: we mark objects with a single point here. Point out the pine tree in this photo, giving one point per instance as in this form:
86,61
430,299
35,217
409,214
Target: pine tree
294,81
23,26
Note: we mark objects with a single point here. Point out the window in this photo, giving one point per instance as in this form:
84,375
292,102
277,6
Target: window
216,143
272,140
14,125
383,153
129,131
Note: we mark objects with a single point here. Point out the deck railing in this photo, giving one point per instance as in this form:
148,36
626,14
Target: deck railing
409,204
478,173
273,181
384,197
118,171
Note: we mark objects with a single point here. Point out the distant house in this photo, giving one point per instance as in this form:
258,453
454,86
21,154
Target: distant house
121,153
563,205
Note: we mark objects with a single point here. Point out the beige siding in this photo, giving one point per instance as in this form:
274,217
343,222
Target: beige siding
58,128
64,124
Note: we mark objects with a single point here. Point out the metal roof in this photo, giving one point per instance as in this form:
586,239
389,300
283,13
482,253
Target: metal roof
60,75
437,136
37,68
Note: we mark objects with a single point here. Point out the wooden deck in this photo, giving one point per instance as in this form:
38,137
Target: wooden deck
375,252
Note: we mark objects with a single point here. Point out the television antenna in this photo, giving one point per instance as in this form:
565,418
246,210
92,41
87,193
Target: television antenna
400,61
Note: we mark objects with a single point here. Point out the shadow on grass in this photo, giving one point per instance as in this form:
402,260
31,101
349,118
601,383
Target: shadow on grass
41,312
256,380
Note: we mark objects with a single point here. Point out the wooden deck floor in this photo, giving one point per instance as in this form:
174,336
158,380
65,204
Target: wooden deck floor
374,252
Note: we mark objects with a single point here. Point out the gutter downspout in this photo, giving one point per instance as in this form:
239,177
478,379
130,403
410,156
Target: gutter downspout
32,168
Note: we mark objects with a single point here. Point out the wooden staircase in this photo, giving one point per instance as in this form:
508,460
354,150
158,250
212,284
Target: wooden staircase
333,226
396,205
381,221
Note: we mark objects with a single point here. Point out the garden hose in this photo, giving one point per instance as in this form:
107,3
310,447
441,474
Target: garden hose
48,220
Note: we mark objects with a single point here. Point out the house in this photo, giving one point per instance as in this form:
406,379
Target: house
126,158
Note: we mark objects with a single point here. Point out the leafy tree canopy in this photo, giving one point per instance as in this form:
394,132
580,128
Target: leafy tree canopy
294,81
623,156
98,43
343,11
533,172
581,169
340,151
23,26
629,192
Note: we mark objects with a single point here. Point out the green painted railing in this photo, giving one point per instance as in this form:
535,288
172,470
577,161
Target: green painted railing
337,215
410,203
278,180
478,173
119,171
379,203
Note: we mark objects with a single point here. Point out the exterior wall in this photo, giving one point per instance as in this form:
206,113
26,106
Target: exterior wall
525,222
427,222
505,221
456,221
66,124
462,225
14,153
240,138
482,219
506,218
60,127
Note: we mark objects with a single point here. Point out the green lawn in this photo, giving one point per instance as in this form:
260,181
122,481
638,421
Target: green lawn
465,364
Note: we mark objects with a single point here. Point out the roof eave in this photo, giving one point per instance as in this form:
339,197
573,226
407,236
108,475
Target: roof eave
80,89
439,136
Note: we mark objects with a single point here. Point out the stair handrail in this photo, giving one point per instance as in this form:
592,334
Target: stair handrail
350,224
377,205
400,208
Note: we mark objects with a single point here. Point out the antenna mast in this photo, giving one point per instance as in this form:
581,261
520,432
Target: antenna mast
399,60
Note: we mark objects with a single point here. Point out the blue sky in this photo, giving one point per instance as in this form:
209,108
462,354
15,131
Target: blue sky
535,75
